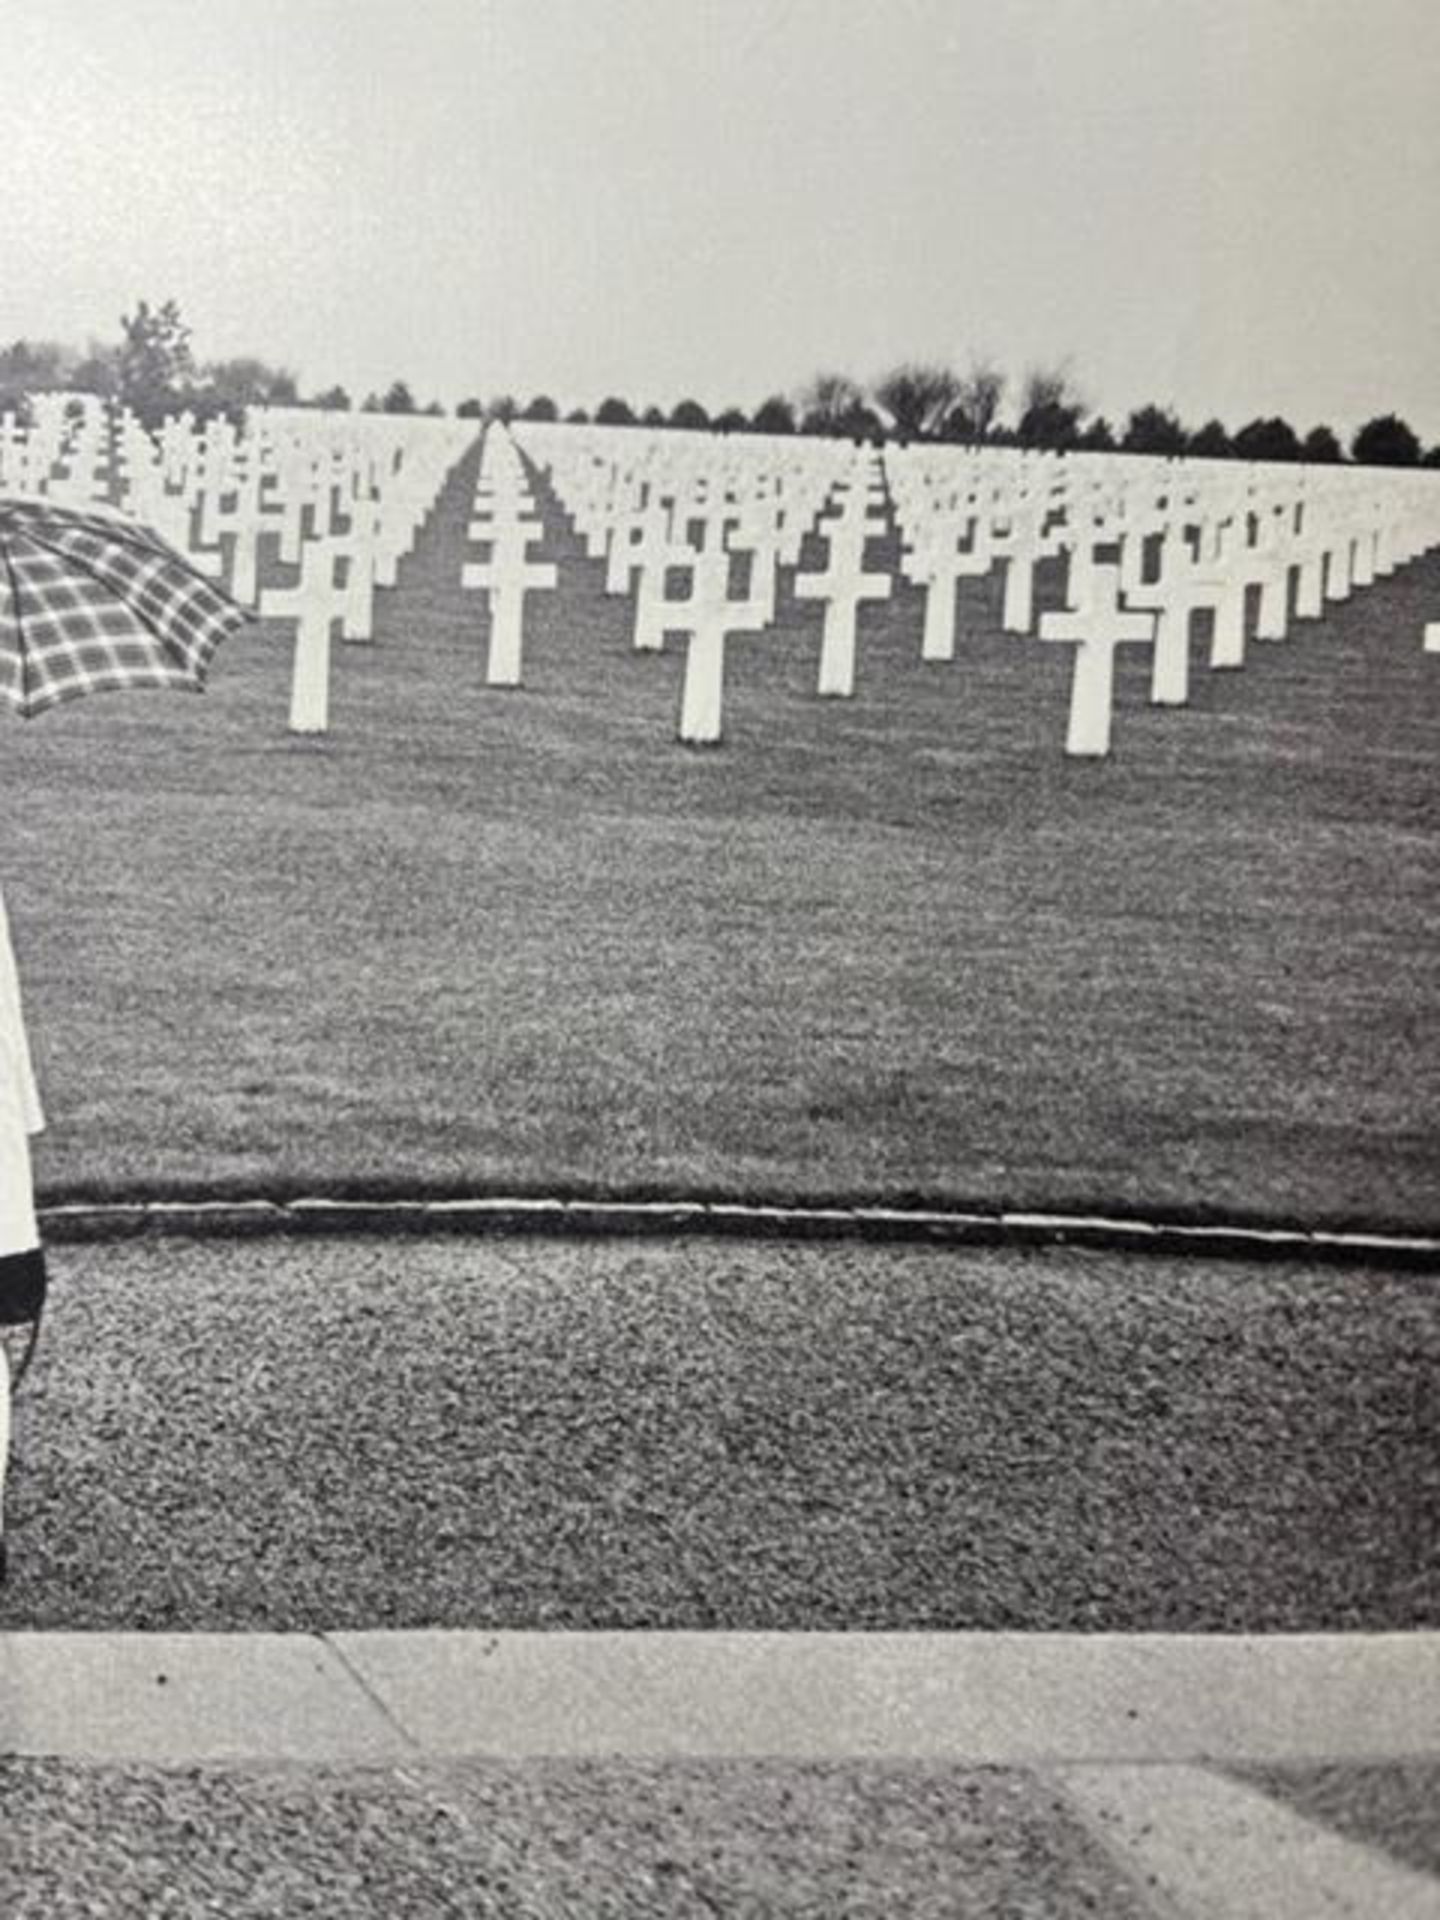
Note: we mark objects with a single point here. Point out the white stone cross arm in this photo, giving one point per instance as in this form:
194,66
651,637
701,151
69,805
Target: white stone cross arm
508,570
1096,631
509,528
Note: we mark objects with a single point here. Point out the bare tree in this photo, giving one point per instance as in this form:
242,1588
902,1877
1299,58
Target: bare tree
1051,408
978,394
917,396
828,401
1051,387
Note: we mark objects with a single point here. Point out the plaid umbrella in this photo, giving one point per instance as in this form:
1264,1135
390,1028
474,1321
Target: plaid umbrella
90,601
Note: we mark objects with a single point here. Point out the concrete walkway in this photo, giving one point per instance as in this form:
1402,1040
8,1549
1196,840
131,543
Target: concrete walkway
1125,1730
983,1699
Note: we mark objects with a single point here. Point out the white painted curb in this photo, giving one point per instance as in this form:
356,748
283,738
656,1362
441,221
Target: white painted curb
952,1226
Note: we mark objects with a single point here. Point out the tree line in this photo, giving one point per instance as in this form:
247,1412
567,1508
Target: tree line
918,401
152,370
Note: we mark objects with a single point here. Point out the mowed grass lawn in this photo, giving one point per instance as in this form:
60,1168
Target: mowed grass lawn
894,946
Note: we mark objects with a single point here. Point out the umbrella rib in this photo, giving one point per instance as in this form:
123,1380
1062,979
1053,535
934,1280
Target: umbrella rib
22,661
129,534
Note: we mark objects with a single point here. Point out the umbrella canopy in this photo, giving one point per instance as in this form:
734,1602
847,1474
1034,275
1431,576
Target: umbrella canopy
90,601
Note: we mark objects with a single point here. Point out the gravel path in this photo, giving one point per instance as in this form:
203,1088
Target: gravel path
300,1433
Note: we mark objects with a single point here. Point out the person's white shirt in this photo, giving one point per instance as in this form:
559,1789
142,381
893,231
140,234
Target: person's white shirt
20,1110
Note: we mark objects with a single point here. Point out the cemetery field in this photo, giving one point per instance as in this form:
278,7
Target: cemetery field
892,947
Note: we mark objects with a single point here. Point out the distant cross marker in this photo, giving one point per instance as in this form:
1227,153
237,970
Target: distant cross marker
358,546
1339,576
939,564
315,604
843,586
759,535
1023,546
507,577
1224,577
631,536
1174,596
651,550
708,616
1097,630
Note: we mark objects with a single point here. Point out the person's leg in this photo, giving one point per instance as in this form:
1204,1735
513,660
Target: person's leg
22,1262
4,1444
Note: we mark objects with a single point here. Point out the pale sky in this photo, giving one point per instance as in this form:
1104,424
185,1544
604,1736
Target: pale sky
1231,206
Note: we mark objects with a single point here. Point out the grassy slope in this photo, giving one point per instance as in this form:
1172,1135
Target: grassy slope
892,946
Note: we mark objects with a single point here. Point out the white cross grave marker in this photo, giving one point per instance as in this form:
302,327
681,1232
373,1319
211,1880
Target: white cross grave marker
1225,576
1174,595
843,586
507,576
628,534
358,544
315,604
939,564
759,535
1310,588
1338,574
1023,545
708,616
1098,630
1271,565
649,552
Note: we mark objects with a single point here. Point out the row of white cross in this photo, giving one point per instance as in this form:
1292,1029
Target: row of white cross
670,506
1144,544
341,497
1183,538
504,521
